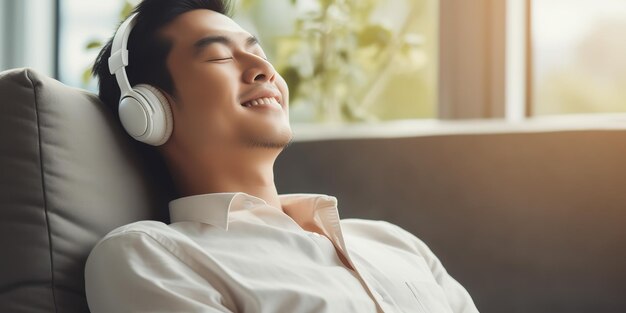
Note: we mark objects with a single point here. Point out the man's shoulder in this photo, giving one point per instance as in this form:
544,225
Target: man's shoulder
138,234
367,226
384,232
146,227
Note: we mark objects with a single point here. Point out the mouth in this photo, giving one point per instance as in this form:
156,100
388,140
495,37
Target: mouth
263,103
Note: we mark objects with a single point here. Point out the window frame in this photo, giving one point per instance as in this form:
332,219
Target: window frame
471,59
485,68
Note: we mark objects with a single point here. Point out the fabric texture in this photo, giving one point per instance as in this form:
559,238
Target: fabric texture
232,252
68,176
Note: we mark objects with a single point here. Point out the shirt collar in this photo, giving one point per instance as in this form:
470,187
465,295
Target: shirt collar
214,208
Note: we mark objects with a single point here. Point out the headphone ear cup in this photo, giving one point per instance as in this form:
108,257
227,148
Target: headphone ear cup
134,116
160,121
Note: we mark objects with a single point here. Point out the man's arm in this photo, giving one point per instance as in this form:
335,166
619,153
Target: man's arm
459,299
133,272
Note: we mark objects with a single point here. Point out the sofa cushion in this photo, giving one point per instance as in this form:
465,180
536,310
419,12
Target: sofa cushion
68,175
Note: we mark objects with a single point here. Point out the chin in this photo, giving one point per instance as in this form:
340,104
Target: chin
268,137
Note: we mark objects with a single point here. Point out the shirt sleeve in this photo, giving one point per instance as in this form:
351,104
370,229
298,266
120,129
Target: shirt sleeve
133,272
459,299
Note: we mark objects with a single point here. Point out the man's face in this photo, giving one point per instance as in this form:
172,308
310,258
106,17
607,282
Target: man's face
217,67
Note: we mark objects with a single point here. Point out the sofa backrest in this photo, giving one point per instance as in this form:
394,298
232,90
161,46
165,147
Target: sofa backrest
527,221
68,175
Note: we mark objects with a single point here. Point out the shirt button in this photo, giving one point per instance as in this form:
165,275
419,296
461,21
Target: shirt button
247,204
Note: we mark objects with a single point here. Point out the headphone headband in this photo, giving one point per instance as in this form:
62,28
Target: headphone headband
143,109
119,54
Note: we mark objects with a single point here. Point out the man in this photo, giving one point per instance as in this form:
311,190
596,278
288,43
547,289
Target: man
234,244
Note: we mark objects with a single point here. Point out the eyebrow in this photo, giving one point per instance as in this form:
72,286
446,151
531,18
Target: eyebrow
204,42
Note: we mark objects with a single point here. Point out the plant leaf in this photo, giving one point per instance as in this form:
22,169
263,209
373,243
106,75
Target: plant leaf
93,44
126,10
374,35
86,77
293,79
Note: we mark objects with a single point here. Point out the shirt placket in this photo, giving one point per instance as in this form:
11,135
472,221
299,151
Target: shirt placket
328,217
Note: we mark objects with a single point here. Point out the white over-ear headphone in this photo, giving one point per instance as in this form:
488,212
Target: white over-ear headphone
144,110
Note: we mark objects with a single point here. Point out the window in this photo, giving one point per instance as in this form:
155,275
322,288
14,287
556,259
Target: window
82,22
380,57
366,60
27,36
579,56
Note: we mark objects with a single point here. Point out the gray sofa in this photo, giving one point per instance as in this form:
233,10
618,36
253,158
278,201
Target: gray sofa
528,222
68,175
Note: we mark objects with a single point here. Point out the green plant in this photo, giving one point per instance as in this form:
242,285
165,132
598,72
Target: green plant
338,57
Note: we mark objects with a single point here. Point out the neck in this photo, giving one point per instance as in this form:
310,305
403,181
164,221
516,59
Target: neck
242,171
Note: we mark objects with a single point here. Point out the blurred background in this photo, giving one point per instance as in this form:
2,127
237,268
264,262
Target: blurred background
374,60
494,130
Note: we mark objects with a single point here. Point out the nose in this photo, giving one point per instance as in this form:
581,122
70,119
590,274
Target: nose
259,70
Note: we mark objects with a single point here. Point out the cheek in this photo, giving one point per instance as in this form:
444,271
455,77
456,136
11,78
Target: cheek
210,84
208,97
209,91
199,126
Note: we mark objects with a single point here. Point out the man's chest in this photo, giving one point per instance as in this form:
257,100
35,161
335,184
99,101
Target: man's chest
297,271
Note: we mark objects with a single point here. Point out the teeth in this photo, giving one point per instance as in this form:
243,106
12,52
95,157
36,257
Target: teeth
264,101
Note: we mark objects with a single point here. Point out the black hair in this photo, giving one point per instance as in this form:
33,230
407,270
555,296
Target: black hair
147,50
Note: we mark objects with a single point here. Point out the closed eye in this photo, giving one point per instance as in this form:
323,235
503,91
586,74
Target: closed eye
220,59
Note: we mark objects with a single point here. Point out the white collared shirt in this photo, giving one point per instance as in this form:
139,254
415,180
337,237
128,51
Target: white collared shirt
232,252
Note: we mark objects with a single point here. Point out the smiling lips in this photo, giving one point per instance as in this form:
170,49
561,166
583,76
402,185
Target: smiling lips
262,102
